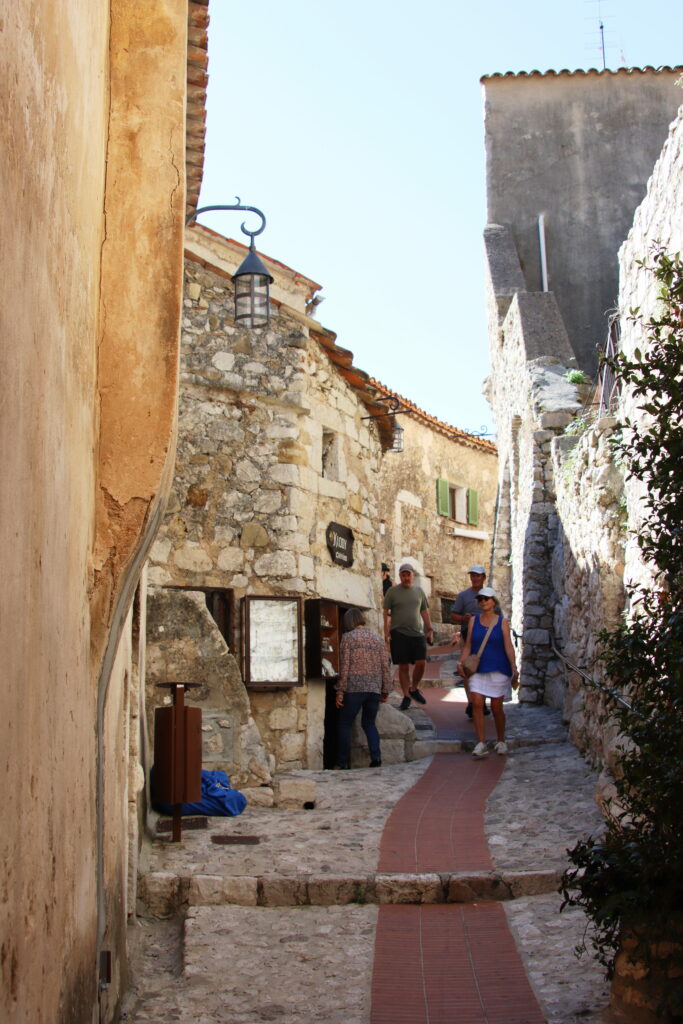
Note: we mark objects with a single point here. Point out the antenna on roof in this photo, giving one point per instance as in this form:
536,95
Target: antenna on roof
601,29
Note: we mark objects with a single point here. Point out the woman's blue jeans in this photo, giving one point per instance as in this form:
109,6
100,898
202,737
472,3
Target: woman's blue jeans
353,703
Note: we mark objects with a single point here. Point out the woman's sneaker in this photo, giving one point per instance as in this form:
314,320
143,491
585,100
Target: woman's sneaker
501,747
481,750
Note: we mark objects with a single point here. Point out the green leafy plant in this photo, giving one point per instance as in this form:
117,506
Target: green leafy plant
579,425
577,377
630,881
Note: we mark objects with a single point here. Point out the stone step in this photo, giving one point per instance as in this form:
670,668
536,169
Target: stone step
164,894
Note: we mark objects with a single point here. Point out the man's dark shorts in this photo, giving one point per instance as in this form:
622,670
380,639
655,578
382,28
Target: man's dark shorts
406,650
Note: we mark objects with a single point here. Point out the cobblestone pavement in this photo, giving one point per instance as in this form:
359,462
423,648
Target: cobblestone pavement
243,965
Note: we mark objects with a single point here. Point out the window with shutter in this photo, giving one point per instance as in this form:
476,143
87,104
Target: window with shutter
442,497
472,507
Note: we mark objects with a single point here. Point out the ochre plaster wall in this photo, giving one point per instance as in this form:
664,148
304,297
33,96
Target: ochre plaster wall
92,178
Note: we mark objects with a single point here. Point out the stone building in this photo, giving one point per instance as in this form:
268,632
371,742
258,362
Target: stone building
272,523
554,291
94,114
437,504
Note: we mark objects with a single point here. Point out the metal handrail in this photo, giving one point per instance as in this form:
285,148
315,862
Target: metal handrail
593,682
608,386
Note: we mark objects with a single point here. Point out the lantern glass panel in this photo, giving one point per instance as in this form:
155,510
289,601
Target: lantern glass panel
251,300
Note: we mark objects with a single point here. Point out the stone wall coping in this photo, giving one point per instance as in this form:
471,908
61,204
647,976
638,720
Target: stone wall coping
163,893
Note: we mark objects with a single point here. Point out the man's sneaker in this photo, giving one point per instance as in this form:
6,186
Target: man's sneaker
376,764
501,747
481,750
405,704
416,695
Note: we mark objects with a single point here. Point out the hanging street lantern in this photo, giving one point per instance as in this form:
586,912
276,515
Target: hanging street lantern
398,432
252,291
252,279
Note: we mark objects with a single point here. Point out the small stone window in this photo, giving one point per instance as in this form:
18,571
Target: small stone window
330,455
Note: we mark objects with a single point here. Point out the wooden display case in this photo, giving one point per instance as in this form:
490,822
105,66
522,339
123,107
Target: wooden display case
324,628
271,642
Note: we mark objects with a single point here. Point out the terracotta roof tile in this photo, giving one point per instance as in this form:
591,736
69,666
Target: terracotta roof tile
197,79
431,421
648,69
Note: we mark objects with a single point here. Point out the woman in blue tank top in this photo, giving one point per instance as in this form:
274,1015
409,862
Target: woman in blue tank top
496,673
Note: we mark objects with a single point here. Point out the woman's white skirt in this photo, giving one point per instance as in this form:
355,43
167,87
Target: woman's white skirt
491,684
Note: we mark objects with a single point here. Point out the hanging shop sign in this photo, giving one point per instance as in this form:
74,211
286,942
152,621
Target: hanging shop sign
340,544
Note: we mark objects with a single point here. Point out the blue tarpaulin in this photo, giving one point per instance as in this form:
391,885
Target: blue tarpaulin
218,798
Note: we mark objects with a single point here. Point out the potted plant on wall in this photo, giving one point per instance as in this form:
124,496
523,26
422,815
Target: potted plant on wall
630,881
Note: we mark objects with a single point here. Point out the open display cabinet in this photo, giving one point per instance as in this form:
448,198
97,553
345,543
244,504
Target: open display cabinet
324,629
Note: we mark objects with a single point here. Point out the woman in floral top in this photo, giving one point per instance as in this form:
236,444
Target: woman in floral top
364,682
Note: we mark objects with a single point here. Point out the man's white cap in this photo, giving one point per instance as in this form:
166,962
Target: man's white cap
479,569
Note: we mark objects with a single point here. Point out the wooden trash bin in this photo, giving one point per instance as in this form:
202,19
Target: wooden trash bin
177,753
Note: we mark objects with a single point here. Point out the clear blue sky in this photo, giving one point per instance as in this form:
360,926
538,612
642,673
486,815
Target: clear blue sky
357,127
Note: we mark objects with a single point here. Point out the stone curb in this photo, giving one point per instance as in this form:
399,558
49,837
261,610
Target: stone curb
163,894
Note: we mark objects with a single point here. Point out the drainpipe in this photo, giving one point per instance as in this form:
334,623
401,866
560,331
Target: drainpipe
495,534
542,252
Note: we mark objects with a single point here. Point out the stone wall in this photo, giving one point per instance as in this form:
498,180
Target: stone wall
533,402
570,522
587,572
272,447
184,643
442,548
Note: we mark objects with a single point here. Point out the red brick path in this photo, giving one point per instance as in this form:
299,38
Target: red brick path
439,824
447,963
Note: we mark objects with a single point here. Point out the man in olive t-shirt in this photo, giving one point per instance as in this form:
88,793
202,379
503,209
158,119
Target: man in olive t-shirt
407,628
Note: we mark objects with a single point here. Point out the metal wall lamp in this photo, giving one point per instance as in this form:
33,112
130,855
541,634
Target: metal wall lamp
252,280
397,431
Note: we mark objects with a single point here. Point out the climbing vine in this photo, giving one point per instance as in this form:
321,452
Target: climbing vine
630,881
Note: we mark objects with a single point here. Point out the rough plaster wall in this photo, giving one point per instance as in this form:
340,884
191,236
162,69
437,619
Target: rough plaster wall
52,172
62,325
142,258
414,529
579,149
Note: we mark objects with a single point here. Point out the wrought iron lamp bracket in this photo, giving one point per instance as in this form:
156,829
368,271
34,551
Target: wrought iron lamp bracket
236,206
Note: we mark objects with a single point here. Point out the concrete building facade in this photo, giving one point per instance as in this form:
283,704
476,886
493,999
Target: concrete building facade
568,158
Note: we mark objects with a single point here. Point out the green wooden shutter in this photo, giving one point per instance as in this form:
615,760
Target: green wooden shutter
472,507
442,506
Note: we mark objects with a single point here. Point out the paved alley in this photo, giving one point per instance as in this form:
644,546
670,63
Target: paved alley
422,893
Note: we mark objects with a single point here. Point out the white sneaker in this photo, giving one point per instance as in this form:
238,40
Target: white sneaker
501,747
481,750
